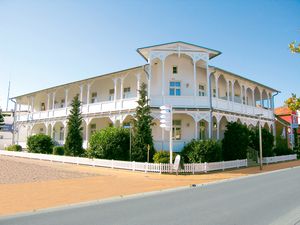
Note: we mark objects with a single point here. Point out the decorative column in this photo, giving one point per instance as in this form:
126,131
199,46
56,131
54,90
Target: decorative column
163,81
261,100
253,97
66,100
53,100
217,86
115,88
196,128
227,89
149,80
138,80
195,77
218,129
242,94
210,101
65,131
121,87
32,104
48,101
88,96
81,93
232,90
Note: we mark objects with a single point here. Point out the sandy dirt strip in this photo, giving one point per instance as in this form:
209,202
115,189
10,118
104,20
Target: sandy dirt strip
27,185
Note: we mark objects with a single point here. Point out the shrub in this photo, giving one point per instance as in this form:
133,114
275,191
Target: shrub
163,157
109,143
40,143
198,151
281,147
16,148
267,141
58,150
235,142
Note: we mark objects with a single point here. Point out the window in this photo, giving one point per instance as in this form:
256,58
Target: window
62,103
61,133
201,90
94,97
111,94
202,134
174,69
43,108
175,88
176,135
214,93
126,92
93,128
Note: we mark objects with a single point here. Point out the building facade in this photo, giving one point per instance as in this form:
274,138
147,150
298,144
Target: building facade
6,134
204,98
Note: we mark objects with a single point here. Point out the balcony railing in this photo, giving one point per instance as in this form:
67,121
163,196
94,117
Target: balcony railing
156,101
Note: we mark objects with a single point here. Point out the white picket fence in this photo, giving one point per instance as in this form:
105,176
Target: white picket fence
146,167
276,159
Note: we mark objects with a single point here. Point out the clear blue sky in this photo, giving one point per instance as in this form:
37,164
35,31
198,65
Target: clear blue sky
46,43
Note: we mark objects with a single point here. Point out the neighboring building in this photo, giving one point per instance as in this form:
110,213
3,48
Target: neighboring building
284,118
205,98
6,131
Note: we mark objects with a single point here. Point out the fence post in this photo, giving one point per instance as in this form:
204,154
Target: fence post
223,165
193,165
77,160
160,168
133,165
205,167
112,163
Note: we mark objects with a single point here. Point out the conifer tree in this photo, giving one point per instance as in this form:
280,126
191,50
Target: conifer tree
142,131
74,140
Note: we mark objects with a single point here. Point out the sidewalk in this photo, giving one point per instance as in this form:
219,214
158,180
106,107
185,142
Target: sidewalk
103,183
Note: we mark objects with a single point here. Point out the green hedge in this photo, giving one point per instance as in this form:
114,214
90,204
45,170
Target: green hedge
198,151
58,150
40,143
163,157
16,148
109,143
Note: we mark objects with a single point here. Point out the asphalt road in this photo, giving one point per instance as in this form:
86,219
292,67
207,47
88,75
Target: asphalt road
272,198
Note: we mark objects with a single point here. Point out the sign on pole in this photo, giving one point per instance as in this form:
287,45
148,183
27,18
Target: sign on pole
166,118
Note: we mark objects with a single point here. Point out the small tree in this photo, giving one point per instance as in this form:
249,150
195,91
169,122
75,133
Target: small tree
109,143
40,143
73,145
235,142
199,151
142,128
293,104
267,141
1,119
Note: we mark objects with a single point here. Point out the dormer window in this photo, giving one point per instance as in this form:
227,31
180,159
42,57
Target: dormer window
174,69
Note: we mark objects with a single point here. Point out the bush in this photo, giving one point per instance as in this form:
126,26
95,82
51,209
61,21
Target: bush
40,143
281,147
267,141
235,142
198,151
109,143
16,148
58,150
163,157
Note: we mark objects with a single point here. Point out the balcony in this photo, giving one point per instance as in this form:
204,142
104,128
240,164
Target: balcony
101,107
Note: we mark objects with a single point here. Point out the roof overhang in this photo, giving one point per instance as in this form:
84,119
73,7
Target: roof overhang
177,46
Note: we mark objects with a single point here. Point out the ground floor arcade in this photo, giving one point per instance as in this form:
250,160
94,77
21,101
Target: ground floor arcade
187,125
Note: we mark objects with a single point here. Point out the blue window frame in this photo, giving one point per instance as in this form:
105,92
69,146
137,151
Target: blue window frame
175,88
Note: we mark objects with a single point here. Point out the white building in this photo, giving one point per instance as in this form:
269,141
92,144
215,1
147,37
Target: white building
6,131
176,73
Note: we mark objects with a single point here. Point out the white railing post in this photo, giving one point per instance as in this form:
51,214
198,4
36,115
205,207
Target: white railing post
205,167
160,168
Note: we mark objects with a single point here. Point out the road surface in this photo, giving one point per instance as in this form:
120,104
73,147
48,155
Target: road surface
272,198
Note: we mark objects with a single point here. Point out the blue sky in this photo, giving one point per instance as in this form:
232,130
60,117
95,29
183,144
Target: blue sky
46,43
